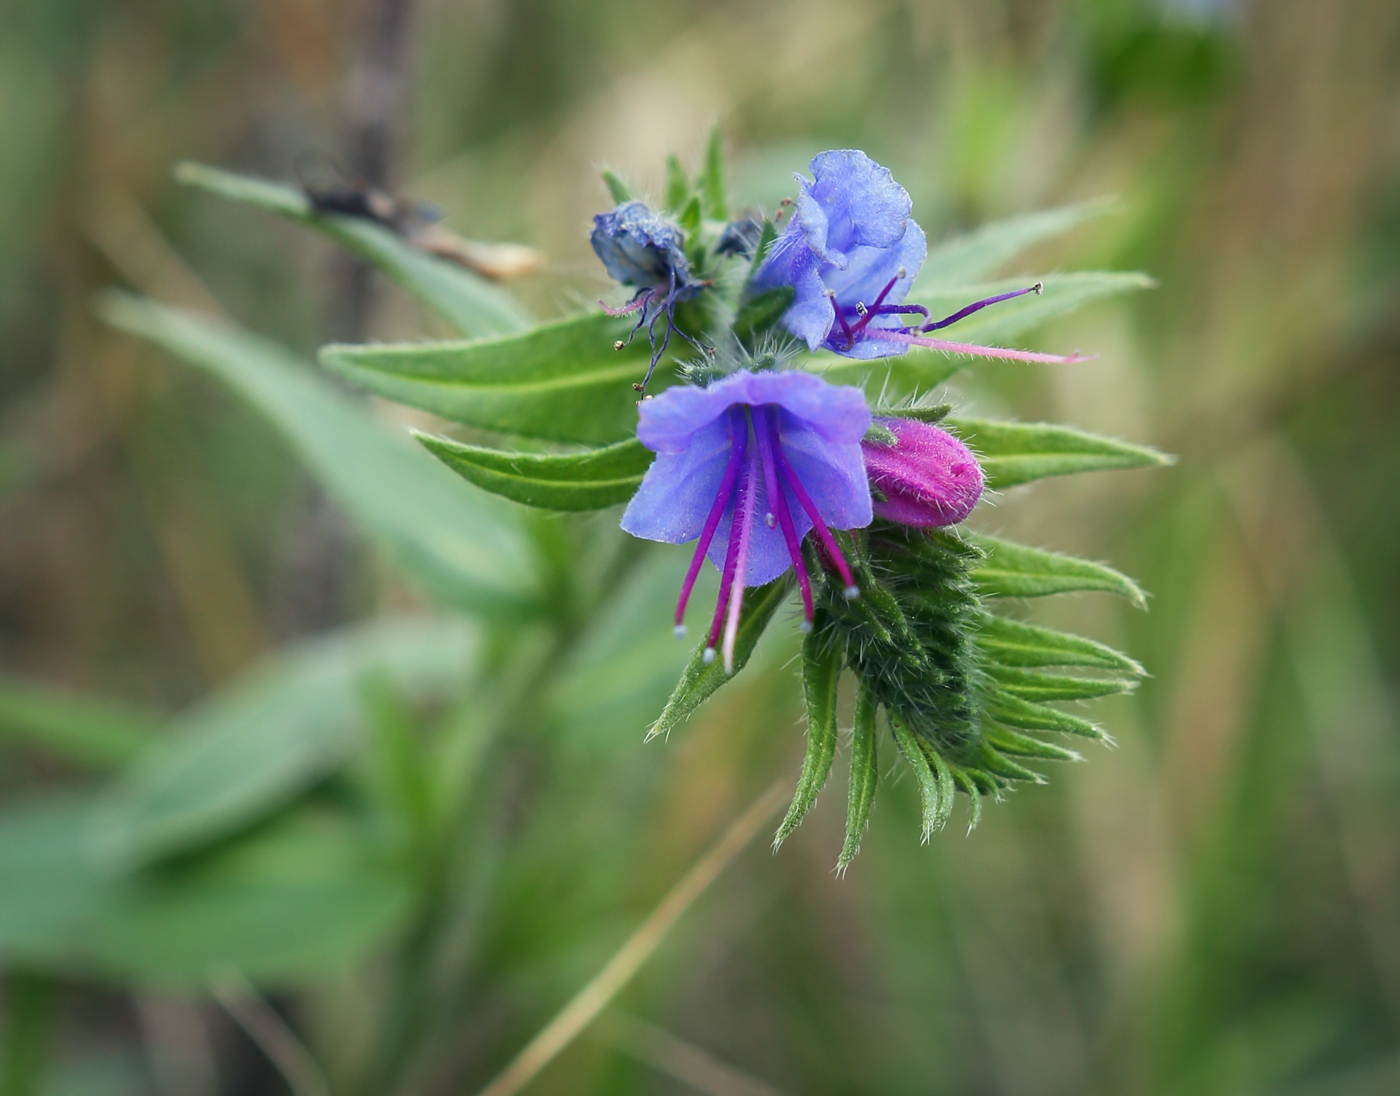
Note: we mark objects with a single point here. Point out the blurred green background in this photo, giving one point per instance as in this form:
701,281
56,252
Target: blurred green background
1213,907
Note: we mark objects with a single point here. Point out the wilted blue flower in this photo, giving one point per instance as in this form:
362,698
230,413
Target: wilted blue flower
722,454
643,249
927,477
851,252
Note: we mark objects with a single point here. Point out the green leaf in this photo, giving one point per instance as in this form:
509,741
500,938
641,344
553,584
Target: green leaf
677,185
701,679
936,807
1014,452
1020,745
464,548
561,382
1033,685
760,313
617,186
865,775
821,672
981,252
1015,643
572,481
468,302
301,898
277,730
97,733
1011,710
1015,570
690,218
933,413
711,181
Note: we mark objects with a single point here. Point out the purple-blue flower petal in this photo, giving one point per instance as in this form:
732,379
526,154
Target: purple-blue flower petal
680,486
833,475
853,202
638,247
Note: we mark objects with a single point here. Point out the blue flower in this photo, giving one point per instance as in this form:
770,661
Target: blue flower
640,248
722,453
851,253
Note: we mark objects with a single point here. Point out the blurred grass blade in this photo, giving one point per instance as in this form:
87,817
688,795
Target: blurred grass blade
865,775
1015,570
465,548
979,253
306,896
1033,685
276,731
98,733
1015,643
821,672
1028,716
701,679
562,381
572,481
470,303
1011,453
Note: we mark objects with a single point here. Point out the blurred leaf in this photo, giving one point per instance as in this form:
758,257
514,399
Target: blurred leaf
299,898
710,184
759,314
677,185
1015,570
89,731
701,679
980,253
562,381
1033,685
821,672
572,481
470,303
1015,452
1015,712
465,548
865,775
1014,643
29,1024
617,186
262,741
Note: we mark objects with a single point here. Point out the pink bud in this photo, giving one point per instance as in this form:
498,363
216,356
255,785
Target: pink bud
928,478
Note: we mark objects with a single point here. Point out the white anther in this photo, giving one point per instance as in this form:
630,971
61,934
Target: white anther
769,520
850,593
1038,287
709,656
679,631
860,307
805,627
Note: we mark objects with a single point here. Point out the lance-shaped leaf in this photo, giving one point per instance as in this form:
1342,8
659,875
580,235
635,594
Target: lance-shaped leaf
711,180
821,671
1011,710
865,775
464,547
552,481
702,679
86,730
465,300
1034,685
1019,452
561,382
277,730
1015,643
964,258
1015,570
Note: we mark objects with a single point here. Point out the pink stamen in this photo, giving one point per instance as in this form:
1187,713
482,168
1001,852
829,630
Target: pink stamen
828,541
731,561
765,428
736,593
639,301
977,306
739,435
979,351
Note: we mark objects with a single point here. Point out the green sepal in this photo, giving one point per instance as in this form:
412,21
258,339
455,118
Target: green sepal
467,301
1033,685
690,218
760,313
933,414
930,774
1015,643
552,481
974,796
710,184
1008,741
1014,452
677,185
821,672
865,775
617,186
700,680
879,434
1015,570
766,235
1014,712
561,381
996,764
